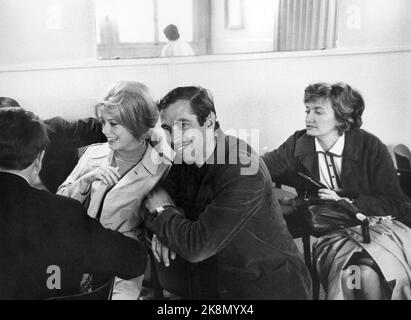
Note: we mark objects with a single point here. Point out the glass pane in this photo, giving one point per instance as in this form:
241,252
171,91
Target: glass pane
235,14
104,10
178,12
135,20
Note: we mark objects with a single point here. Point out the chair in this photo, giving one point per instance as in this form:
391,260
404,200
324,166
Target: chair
294,225
103,292
402,157
405,181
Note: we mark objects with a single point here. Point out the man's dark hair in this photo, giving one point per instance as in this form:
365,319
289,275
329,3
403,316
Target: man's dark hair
171,32
201,102
22,137
6,102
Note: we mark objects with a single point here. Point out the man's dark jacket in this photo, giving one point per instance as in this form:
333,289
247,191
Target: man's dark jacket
62,154
228,231
367,174
39,229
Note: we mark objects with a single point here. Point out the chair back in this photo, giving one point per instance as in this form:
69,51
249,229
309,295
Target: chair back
102,292
402,157
405,181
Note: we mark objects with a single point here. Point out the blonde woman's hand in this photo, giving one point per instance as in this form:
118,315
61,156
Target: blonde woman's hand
106,174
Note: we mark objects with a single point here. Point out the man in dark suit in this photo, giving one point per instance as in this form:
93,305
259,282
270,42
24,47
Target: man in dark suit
226,225
47,241
65,138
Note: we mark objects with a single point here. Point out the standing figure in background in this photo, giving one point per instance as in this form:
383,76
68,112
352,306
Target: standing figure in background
112,179
176,46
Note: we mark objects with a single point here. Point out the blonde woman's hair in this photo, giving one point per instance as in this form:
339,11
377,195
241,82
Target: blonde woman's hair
131,105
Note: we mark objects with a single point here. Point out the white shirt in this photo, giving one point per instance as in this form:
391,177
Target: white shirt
330,163
177,48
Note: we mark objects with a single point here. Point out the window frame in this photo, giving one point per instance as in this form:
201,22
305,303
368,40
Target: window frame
110,46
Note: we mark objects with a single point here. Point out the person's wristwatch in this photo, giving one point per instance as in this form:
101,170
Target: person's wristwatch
157,211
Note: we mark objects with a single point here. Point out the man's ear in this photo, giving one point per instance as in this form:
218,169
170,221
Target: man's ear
210,122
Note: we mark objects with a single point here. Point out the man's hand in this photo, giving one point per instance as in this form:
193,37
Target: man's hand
158,197
161,252
288,205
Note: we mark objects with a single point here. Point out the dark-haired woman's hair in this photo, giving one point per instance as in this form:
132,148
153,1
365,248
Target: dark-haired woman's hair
347,103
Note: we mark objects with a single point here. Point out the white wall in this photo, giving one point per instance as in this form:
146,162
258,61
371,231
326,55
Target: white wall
257,35
268,94
46,30
374,23
265,94
251,91
72,93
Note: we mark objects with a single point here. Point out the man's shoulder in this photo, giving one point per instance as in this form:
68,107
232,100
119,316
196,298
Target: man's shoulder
237,157
55,202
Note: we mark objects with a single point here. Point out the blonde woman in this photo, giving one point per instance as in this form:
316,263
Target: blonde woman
112,179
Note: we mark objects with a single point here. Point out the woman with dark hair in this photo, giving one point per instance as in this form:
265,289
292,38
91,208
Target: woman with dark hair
112,179
353,165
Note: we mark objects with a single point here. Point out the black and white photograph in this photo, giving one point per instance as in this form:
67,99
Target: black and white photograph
200,156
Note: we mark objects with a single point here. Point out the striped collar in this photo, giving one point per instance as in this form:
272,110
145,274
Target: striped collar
336,150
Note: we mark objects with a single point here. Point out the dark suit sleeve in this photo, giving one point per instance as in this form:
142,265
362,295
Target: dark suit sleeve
237,199
386,197
82,132
105,251
281,163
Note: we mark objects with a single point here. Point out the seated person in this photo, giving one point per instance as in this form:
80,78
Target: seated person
40,230
356,165
65,137
111,179
176,46
217,212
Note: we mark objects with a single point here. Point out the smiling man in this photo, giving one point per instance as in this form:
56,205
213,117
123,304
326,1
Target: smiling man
223,222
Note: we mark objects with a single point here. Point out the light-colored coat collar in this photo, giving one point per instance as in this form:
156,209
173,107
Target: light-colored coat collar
151,159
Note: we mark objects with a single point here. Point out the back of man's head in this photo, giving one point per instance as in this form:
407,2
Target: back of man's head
171,32
23,137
